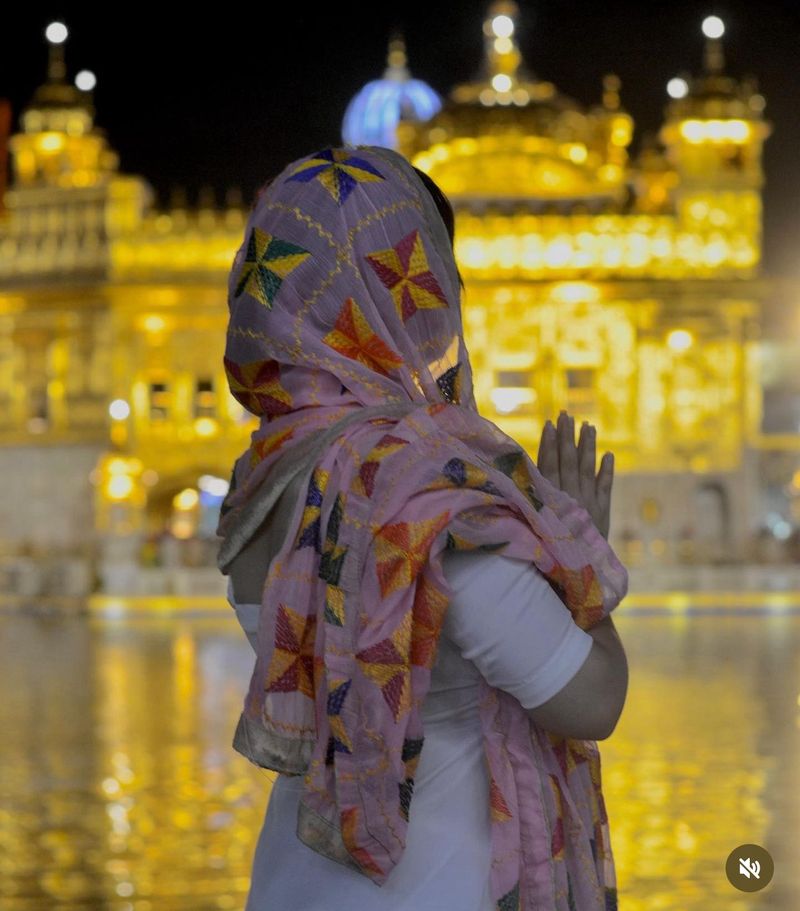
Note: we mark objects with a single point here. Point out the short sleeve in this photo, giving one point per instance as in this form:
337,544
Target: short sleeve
507,620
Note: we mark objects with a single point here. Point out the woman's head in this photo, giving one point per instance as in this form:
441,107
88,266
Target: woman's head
443,205
345,288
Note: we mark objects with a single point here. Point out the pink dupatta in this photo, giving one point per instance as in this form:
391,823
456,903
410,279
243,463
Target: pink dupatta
345,337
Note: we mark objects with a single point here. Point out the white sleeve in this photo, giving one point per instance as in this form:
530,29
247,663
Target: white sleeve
507,620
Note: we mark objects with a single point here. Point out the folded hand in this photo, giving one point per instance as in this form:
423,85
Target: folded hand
571,468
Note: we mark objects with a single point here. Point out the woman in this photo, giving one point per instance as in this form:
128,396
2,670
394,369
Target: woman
401,568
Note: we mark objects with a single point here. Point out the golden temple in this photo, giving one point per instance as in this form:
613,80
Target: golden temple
625,289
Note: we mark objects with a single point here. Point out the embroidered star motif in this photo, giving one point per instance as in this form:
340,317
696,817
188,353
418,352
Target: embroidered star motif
257,386
267,263
353,337
292,664
404,270
338,171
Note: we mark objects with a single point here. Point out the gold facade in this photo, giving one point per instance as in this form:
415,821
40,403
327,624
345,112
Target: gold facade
626,291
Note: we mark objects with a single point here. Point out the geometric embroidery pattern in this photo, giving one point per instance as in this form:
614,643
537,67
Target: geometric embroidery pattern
386,446
268,261
578,583
404,270
338,171
309,532
292,664
412,747
336,697
330,565
353,337
257,386
558,842
450,384
429,609
262,448
402,550
499,807
465,474
385,665
348,819
456,542
510,901
513,465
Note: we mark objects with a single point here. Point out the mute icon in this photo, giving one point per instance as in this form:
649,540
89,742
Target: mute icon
749,869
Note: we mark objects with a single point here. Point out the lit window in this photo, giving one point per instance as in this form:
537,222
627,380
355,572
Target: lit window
204,398
159,401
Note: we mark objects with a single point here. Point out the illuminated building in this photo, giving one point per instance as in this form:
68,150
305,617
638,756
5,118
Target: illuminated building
626,291
115,414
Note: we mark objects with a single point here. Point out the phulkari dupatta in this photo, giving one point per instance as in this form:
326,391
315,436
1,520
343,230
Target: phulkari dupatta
345,337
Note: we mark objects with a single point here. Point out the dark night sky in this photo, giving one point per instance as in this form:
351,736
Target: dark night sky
196,98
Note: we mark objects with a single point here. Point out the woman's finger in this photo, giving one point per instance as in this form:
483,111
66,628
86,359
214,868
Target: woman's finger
586,465
547,462
605,479
568,456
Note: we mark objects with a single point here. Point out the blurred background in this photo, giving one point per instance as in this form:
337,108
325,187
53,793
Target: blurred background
626,190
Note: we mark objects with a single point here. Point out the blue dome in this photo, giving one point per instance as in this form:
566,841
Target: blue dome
372,116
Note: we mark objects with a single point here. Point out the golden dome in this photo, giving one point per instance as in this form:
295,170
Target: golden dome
507,134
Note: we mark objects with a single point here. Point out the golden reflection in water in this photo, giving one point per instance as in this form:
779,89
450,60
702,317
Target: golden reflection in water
704,759
120,789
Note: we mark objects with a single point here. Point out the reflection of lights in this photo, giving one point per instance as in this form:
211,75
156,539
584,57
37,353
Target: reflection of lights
51,142
149,477
153,323
574,292
501,82
217,487
85,80
698,209
119,486
182,528
507,399
119,409
782,530
503,26
577,153
205,427
56,33
677,88
186,499
713,27
680,340
503,45
110,786
733,130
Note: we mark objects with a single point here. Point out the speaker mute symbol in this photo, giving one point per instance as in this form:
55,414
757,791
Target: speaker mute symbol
748,869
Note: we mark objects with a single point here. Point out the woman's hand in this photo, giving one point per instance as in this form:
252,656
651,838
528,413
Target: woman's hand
571,468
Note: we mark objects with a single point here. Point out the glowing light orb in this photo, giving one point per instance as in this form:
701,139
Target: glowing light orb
501,82
85,80
680,340
713,27
56,33
119,409
503,26
677,88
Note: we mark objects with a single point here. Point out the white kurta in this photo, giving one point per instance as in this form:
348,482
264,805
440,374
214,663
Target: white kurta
504,622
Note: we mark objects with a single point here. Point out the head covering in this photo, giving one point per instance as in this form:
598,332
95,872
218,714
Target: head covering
345,337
